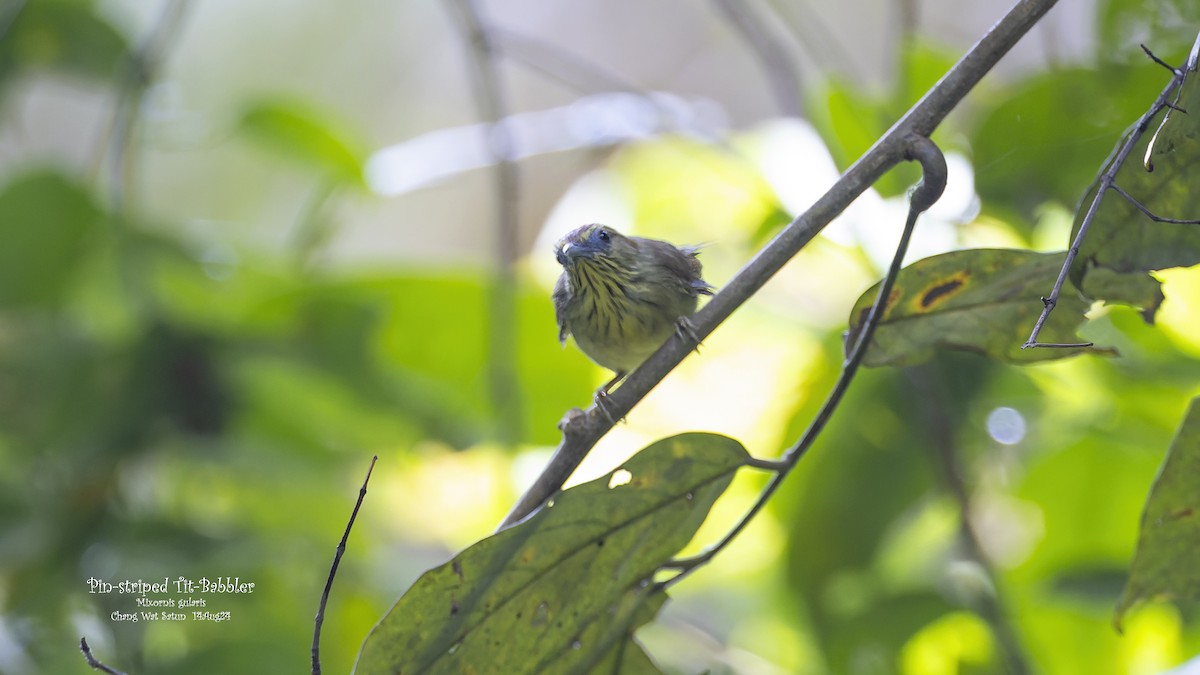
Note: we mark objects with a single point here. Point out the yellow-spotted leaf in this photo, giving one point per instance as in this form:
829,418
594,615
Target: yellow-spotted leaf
981,300
1164,564
563,591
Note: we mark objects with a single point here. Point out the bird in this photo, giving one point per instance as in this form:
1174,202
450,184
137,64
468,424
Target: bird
621,297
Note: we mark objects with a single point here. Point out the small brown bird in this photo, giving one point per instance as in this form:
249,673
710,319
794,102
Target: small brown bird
622,297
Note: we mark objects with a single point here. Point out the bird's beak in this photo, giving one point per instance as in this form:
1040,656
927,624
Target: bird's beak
572,251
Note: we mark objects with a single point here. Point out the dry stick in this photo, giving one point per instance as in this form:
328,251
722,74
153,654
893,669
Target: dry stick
933,182
93,662
1107,182
337,560
581,432
502,375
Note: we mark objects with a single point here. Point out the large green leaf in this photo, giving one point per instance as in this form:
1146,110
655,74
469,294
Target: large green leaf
1123,244
561,591
1165,561
45,221
981,300
1042,140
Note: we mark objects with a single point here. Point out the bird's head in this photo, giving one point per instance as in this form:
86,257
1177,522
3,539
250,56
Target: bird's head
594,243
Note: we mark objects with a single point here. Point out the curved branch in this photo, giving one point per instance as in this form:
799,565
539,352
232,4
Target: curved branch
933,183
581,432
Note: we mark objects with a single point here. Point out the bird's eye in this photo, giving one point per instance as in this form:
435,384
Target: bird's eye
603,234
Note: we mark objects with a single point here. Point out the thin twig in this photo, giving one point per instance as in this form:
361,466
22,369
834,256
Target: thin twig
337,560
502,339
1147,212
93,662
933,182
1104,184
1154,58
581,432
778,65
931,401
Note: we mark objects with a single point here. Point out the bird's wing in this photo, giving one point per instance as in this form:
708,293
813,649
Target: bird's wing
562,295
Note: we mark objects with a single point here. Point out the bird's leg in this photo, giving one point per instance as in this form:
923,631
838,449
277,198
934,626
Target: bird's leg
601,397
686,331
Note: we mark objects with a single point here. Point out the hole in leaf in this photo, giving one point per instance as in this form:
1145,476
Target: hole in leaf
619,477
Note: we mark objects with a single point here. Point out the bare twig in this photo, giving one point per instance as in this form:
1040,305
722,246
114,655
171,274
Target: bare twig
502,371
93,662
933,182
1104,184
337,560
1147,212
582,432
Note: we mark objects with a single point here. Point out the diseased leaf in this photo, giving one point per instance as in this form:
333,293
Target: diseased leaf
982,300
563,591
1165,561
1123,244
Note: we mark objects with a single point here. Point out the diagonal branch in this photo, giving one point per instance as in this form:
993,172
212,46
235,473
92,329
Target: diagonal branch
581,432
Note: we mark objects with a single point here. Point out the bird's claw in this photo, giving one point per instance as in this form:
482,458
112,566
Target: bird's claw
686,331
601,401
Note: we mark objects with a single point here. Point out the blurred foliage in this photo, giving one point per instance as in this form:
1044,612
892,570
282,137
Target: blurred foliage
63,35
175,403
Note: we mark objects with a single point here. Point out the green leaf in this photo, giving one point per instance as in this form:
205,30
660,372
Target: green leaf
560,591
61,35
1043,139
45,221
981,300
1165,561
1123,244
303,133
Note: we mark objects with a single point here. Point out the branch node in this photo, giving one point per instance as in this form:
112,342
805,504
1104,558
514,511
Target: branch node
93,661
1159,61
933,171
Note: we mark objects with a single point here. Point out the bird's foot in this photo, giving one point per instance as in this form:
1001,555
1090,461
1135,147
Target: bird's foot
603,404
686,331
